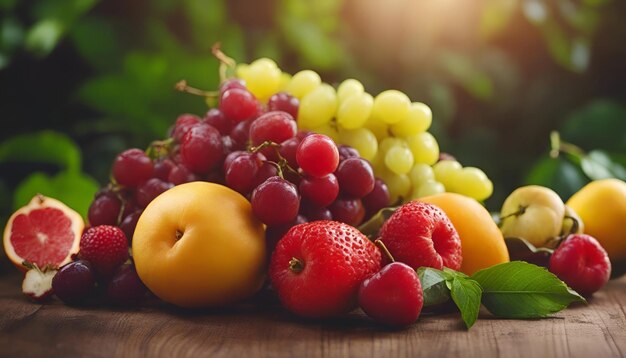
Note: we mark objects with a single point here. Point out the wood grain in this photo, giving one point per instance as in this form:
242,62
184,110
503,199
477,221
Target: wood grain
30,330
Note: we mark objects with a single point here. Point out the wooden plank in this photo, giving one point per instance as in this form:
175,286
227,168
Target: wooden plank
156,329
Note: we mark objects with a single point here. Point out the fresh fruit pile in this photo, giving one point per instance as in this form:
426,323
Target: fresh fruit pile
270,187
388,130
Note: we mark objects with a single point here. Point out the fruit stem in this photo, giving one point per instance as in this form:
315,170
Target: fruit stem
295,265
520,211
557,146
383,248
159,148
225,61
182,86
575,225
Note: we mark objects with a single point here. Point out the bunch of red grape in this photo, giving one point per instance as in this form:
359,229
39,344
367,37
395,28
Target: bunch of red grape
289,176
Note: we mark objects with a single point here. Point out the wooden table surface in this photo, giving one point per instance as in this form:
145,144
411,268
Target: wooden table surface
29,329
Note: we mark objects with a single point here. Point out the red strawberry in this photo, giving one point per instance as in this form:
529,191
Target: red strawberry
582,263
105,247
420,234
317,268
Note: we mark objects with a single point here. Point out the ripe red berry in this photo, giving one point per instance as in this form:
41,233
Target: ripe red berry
105,247
132,167
317,155
317,268
582,263
421,234
392,296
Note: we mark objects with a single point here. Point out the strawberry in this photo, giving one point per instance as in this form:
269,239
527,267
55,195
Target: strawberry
421,234
105,247
317,268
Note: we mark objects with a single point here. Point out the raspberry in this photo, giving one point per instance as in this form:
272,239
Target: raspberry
420,234
317,268
581,263
105,247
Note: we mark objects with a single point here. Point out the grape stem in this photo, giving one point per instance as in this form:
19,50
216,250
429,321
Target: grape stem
282,164
226,62
182,86
558,146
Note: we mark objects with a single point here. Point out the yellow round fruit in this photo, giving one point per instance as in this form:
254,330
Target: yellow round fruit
482,243
601,205
200,245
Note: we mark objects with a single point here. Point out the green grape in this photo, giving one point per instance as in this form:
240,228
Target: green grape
474,183
241,71
391,106
424,147
303,83
420,173
419,119
429,187
360,139
388,143
285,80
399,159
378,162
399,185
262,78
354,111
349,88
447,172
329,130
380,129
318,107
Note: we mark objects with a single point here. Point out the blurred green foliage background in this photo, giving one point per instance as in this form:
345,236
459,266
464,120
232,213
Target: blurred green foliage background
81,80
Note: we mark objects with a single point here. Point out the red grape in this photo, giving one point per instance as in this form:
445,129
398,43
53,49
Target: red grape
125,288
275,201
238,104
184,122
346,152
201,148
377,199
347,210
241,134
105,209
232,83
150,190
288,151
241,172
266,171
285,102
132,167
321,191
217,119
274,126
74,282
162,168
128,225
180,175
355,176
317,155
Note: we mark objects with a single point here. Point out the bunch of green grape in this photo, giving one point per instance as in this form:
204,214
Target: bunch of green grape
388,130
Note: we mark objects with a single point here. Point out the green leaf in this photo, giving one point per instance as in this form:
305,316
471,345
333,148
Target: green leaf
466,294
97,42
521,290
559,174
42,147
598,164
434,285
44,36
74,189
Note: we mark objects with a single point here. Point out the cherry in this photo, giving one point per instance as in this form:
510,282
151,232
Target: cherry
74,282
393,296
582,263
125,288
